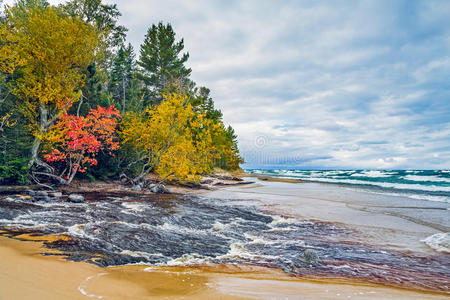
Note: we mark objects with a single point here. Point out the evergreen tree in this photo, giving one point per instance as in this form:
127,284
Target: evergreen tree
161,61
122,75
203,103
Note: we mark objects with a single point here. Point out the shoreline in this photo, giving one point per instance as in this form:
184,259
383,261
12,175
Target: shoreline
26,273
215,281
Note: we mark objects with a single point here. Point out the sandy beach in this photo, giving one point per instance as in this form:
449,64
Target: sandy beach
27,274
387,221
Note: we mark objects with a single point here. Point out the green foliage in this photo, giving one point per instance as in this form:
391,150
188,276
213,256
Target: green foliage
102,16
15,142
51,57
122,75
14,171
160,61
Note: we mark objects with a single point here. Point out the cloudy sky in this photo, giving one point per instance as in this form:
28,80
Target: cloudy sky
319,84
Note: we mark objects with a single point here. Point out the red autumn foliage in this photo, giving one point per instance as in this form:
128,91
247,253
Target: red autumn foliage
77,140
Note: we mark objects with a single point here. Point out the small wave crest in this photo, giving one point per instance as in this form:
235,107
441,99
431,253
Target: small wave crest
426,178
439,242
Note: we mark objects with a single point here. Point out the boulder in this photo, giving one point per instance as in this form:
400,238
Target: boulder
159,189
137,187
75,198
310,256
41,196
30,193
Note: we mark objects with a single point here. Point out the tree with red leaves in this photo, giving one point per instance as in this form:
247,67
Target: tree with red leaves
73,142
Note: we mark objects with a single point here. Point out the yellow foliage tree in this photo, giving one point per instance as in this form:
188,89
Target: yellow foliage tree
47,52
170,140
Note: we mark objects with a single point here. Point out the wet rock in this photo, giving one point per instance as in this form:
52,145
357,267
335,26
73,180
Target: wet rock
26,198
75,198
207,181
55,194
22,198
310,256
41,194
219,183
30,193
159,189
43,199
137,187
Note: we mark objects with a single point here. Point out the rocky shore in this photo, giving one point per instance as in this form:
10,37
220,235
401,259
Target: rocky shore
276,226
75,193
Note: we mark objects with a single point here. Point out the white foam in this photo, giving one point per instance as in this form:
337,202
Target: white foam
374,174
258,240
439,242
188,260
330,177
280,229
133,206
77,230
403,186
180,229
411,196
238,250
278,220
431,178
83,286
217,226
140,254
430,198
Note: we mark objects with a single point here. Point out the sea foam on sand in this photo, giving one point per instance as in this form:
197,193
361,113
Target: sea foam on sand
439,242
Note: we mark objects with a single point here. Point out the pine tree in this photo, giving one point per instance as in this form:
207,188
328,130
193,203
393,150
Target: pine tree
161,61
122,75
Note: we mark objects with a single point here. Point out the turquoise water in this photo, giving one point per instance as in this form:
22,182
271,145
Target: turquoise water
430,185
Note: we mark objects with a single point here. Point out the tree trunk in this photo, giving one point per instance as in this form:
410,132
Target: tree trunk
123,90
43,126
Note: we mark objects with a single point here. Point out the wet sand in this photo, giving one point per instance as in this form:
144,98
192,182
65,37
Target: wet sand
389,222
26,274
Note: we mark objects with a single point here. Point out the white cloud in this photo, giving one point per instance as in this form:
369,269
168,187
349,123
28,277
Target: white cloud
330,84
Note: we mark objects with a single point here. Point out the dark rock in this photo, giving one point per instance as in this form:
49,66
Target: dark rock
220,183
227,177
43,199
159,189
31,193
75,198
41,194
310,256
207,181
